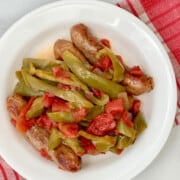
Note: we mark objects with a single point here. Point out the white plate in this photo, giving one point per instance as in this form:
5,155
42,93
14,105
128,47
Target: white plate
137,45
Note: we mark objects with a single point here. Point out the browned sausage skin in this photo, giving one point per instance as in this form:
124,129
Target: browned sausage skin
85,42
63,155
15,104
138,85
62,45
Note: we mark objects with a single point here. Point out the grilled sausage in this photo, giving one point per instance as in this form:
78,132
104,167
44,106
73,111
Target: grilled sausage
15,104
138,85
63,155
85,42
62,45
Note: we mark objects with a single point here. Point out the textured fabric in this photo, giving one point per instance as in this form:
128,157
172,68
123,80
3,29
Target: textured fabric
163,17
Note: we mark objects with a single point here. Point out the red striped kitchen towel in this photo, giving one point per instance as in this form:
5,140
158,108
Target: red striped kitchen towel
163,17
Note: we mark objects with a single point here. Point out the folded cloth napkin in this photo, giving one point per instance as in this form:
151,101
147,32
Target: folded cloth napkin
163,17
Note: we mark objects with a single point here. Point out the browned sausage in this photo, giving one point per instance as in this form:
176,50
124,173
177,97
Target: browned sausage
15,104
85,42
138,85
63,155
62,45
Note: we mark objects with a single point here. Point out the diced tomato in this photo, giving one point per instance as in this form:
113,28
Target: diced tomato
21,125
136,71
60,105
119,151
101,124
45,122
48,99
126,117
97,92
104,63
60,72
30,123
64,86
136,106
69,130
88,146
106,43
79,114
44,153
114,107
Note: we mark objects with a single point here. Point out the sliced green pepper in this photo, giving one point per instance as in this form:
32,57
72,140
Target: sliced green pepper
126,130
123,142
74,144
71,96
102,144
139,123
93,112
24,90
55,139
36,108
61,116
19,76
89,78
118,68
124,97
40,63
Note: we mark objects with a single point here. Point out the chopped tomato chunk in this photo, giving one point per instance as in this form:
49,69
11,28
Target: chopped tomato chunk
126,117
97,92
104,63
44,153
106,43
136,106
136,71
69,130
79,114
60,72
101,124
48,99
60,105
114,107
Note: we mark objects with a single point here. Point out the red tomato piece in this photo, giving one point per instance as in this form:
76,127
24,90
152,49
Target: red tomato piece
45,122
136,71
44,153
106,43
97,92
114,107
60,105
126,117
88,146
60,72
101,124
69,130
64,86
136,106
119,151
48,99
79,114
104,63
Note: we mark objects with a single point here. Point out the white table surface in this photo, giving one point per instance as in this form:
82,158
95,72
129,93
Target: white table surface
167,165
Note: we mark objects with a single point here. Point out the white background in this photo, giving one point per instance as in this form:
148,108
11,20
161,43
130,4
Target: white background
167,165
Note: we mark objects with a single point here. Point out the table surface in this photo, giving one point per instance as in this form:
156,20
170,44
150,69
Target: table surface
166,165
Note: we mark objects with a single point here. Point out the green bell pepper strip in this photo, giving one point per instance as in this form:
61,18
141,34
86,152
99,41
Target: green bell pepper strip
40,63
36,109
89,78
61,116
71,96
24,90
74,81
139,123
126,130
102,144
84,123
123,142
118,68
93,112
54,139
74,144
19,76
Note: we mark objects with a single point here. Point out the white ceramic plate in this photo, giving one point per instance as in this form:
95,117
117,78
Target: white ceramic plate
137,45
